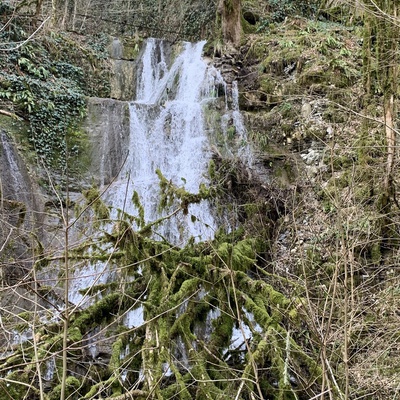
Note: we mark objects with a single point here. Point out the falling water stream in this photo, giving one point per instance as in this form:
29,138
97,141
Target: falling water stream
169,133
13,182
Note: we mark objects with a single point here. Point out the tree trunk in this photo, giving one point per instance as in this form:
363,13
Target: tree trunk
230,21
389,73
381,39
38,10
390,141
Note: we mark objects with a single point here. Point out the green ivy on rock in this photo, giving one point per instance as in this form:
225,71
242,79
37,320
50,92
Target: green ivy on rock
44,82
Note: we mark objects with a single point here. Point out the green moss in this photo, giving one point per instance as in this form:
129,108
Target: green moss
376,255
44,290
341,162
74,335
279,58
21,327
238,257
101,288
222,332
268,84
78,151
13,390
260,313
93,199
211,169
117,348
131,47
315,75
72,385
247,27
136,202
188,287
206,389
98,387
26,315
16,128
100,311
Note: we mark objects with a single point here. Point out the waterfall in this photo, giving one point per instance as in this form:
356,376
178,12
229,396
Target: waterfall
167,133
13,180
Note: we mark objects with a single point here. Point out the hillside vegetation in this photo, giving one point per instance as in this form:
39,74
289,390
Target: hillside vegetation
311,270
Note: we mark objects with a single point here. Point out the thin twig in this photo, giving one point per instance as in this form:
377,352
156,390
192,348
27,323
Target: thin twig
28,39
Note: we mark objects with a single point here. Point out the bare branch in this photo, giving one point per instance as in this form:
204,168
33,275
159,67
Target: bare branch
26,40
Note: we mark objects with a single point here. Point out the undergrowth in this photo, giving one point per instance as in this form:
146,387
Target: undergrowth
44,82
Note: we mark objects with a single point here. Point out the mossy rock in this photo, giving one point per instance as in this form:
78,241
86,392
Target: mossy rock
72,384
18,130
14,390
317,74
131,47
340,162
249,22
343,77
341,96
284,174
12,125
277,61
268,84
335,115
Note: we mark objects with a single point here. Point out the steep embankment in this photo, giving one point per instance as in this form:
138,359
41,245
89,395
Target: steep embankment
321,133
299,300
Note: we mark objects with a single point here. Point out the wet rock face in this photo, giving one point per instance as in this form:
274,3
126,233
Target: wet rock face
15,182
21,207
20,199
230,65
107,126
123,67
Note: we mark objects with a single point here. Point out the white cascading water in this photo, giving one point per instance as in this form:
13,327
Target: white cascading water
16,186
168,134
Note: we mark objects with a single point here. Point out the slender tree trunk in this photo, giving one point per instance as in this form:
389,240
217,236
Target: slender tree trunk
381,39
53,12
367,57
390,141
390,45
65,15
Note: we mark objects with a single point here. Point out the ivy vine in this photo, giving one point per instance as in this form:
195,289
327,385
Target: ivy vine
44,82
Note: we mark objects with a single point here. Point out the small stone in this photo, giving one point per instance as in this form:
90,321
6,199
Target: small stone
306,110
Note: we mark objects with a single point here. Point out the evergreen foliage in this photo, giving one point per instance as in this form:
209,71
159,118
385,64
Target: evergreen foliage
44,83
